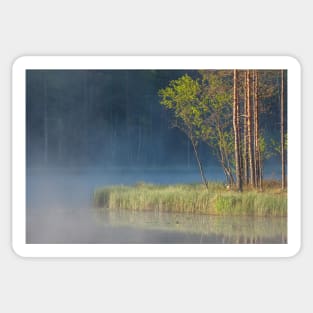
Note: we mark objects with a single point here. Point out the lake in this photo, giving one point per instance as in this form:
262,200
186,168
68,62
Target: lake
59,210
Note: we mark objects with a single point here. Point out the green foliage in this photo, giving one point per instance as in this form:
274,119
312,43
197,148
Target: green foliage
216,126
202,109
269,83
217,118
267,150
185,99
273,148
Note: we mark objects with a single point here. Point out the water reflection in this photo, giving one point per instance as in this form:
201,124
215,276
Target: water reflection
211,229
59,210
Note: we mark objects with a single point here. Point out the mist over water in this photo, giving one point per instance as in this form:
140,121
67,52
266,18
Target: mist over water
59,202
60,210
92,128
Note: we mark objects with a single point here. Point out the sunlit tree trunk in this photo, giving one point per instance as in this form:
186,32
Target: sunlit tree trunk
245,132
282,136
237,132
258,177
250,132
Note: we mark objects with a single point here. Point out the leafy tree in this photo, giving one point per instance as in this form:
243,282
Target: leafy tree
223,110
203,111
184,97
216,120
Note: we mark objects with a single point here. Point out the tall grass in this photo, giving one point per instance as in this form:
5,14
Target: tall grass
142,197
192,198
251,203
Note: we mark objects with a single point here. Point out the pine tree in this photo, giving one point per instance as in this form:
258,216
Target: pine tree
236,127
250,132
257,157
245,132
282,136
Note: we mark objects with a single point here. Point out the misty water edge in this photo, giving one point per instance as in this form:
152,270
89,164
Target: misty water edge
60,210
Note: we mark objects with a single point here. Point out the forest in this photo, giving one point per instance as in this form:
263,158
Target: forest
105,118
233,120
102,118
222,110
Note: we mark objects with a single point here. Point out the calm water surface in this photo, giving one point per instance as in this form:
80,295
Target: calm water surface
59,210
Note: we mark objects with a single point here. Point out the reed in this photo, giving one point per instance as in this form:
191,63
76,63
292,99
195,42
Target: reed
192,198
252,203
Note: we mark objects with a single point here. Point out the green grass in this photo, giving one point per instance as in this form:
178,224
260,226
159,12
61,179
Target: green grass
251,203
192,198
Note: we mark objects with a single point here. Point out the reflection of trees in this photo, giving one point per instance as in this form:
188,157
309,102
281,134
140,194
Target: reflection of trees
227,229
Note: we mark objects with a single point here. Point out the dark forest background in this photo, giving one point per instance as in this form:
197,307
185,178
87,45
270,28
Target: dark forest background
111,118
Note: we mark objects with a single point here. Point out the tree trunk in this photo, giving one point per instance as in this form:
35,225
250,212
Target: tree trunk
282,136
258,177
250,135
237,133
205,182
223,157
227,171
245,134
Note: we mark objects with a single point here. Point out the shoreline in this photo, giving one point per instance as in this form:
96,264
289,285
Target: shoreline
194,198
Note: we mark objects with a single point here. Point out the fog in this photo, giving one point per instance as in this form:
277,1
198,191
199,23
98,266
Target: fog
88,129
60,210
59,204
102,119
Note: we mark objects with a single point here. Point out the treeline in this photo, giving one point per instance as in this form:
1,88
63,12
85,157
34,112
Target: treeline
102,118
223,109
113,118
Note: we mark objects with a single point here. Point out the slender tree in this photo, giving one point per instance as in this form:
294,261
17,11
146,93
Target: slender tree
183,98
245,132
250,131
236,127
282,137
257,157
215,127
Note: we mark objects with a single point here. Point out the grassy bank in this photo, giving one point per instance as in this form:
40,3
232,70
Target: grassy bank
193,198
